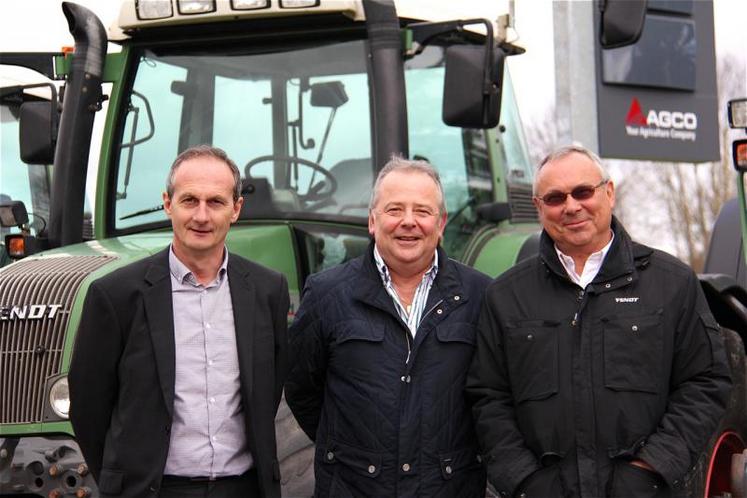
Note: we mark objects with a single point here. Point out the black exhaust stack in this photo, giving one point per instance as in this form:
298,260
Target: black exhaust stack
388,82
82,99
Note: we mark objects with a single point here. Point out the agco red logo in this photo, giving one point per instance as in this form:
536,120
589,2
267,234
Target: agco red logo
677,125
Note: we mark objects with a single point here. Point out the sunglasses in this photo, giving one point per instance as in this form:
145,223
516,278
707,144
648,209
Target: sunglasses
580,193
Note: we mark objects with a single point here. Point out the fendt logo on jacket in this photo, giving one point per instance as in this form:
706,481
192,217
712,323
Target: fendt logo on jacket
662,124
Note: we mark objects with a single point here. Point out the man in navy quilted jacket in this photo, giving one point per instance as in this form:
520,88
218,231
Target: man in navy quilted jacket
382,346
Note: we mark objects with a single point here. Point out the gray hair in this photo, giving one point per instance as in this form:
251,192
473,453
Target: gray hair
567,150
205,151
399,163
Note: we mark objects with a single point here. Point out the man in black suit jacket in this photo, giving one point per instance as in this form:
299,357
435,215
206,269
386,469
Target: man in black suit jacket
180,358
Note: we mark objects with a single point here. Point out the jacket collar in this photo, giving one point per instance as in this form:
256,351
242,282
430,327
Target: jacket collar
160,316
371,290
623,258
243,302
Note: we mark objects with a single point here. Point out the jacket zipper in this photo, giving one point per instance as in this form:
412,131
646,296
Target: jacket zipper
408,335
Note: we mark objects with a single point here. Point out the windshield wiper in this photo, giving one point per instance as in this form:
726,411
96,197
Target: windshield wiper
153,209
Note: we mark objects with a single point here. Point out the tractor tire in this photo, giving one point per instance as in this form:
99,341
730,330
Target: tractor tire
710,476
295,455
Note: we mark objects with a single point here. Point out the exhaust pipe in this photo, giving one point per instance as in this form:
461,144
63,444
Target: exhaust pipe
82,99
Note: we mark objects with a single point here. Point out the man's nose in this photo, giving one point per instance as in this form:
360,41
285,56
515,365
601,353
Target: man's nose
571,204
200,213
408,217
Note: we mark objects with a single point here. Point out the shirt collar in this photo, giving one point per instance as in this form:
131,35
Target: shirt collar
593,262
183,274
384,269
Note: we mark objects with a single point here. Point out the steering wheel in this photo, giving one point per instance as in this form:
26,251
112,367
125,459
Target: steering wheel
315,192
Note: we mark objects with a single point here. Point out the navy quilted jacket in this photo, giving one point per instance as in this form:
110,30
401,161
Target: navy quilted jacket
385,426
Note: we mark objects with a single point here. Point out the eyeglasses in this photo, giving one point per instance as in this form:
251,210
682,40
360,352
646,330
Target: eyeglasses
580,193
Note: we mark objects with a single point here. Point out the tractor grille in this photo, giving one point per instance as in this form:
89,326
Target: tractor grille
520,200
36,296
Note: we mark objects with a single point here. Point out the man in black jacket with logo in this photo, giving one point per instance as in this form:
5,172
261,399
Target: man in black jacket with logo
599,369
382,346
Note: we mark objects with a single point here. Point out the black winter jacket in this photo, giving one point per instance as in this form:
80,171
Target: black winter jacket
385,427
579,381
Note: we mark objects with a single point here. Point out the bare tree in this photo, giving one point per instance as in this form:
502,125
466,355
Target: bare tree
692,194
542,136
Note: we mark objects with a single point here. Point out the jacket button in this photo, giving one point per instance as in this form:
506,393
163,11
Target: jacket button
448,469
634,328
406,467
439,311
630,279
330,456
607,286
523,495
530,337
456,298
479,458
407,379
371,469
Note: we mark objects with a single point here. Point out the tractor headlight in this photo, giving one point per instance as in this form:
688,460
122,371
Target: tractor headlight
298,4
154,9
196,6
59,398
738,113
249,4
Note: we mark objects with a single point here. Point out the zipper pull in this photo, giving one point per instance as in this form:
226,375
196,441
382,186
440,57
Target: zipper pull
575,319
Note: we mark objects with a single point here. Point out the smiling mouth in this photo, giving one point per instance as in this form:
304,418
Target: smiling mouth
574,224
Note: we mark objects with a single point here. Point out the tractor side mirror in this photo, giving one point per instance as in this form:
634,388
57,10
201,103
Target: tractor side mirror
622,22
472,86
37,132
328,94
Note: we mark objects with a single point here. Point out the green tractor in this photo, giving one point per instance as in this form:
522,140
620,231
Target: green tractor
310,98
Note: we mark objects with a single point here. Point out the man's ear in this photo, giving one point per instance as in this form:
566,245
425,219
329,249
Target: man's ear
443,218
166,203
609,188
237,209
537,204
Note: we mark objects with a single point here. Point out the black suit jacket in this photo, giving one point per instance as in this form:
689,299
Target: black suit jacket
122,372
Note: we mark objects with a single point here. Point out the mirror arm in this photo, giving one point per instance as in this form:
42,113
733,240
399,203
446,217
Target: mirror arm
305,144
427,31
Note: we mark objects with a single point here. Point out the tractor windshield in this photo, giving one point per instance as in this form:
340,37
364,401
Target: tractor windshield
297,120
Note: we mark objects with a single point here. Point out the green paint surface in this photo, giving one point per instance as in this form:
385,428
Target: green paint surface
499,253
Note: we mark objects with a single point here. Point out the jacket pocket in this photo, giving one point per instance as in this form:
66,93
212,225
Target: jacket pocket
633,351
532,355
363,462
629,480
456,332
110,481
455,461
358,330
